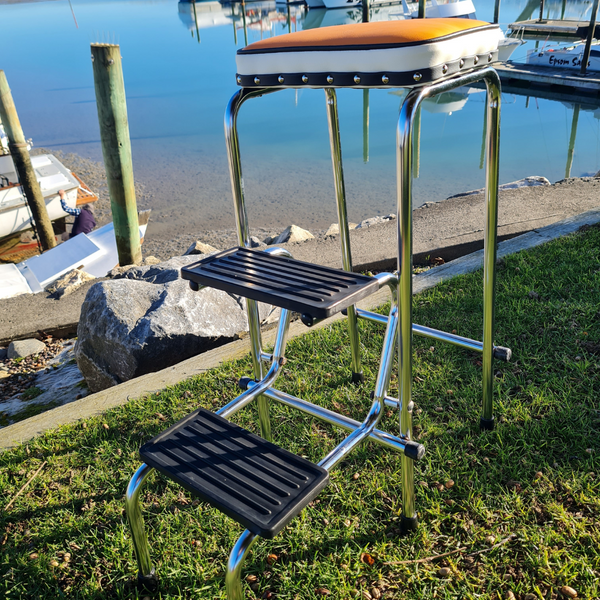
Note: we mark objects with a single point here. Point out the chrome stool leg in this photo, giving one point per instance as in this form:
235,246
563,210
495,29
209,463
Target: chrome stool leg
233,577
408,113
241,217
492,82
146,575
340,196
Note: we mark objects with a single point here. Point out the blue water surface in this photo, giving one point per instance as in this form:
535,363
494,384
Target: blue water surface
179,69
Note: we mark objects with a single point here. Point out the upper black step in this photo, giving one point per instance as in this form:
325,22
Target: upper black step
257,483
299,286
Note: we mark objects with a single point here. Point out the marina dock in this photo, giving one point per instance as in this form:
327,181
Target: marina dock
537,75
540,29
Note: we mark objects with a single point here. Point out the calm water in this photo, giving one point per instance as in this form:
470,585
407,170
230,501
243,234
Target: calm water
179,74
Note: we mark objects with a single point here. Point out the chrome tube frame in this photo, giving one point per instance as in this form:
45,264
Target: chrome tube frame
136,526
340,196
406,119
270,378
381,385
241,218
233,576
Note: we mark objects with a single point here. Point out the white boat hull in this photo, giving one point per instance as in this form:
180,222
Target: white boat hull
564,58
15,215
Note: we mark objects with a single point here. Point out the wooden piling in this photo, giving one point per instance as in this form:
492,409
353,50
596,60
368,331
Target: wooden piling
20,155
116,149
421,13
497,11
366,12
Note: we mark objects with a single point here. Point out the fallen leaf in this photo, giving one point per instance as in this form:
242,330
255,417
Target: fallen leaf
443,571
272,558
567,591
367,559
322,592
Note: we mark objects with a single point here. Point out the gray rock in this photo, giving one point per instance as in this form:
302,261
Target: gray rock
3,353
293,233
375,221
200,248
334,228
24,348
256,243
149,320
68,283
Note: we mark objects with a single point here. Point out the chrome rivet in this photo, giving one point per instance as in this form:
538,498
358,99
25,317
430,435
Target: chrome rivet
329,78
356,79
239,79
475,60
444,69
257,80
304,78
461,64
490,56
281,79
385,79
111,61
417,76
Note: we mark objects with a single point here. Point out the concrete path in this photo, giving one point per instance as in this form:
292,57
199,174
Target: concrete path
100,402
450,228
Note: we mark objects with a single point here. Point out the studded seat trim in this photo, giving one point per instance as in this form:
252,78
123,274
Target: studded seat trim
388,54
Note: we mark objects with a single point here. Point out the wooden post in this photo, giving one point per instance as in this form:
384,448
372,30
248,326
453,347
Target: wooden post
366,125
590,37
497,11
366,16
541,10
20,155
422,9
116,149
571,152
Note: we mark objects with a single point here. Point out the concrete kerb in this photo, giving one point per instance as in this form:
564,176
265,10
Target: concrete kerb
100,402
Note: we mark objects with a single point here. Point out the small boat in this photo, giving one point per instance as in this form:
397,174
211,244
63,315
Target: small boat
569,57
433,8
52,175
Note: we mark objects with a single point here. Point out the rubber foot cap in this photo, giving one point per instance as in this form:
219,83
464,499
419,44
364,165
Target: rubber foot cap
194,286
408,524
502,353
486,424
358,377
147,583
414,450
244,382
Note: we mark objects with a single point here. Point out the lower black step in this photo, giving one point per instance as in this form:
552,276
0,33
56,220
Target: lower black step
256,483
296,285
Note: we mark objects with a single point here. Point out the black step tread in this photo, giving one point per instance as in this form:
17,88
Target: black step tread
255,482
293,284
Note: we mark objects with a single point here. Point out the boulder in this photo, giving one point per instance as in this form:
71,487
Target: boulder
3,353
334,228
199,248
25,348
68,283
292,234
375,221
150,319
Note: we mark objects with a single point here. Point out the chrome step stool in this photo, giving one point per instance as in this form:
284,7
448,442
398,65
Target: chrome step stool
250,479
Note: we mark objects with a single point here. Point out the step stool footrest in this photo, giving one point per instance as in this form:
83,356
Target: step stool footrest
302,287
255,482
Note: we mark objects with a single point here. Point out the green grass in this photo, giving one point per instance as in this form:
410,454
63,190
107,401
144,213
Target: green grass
534,477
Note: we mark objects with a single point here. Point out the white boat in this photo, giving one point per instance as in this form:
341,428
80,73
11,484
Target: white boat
569,57
52,175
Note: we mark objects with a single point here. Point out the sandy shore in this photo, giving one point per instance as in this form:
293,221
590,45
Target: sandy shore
158,243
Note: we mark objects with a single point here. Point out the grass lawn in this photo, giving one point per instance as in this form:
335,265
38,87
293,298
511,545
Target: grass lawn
520,520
